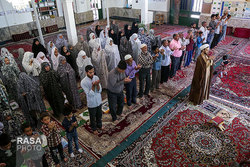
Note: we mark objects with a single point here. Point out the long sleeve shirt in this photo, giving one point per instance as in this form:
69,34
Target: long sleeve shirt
205,33
199,42
212,25
130,70
67,124
116,81
146,60
157,63
166,57
176,44
94,98
53,136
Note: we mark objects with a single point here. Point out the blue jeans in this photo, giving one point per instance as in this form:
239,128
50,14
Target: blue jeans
131,92
70,137
174,66
223,34
210,38
189,58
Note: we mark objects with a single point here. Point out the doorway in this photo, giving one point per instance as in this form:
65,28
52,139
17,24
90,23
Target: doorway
96,7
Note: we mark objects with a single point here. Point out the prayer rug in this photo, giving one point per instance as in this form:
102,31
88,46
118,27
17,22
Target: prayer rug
112,134
185,138
84,159
235,85
167,31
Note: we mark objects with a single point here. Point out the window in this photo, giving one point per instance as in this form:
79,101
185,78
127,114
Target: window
197,6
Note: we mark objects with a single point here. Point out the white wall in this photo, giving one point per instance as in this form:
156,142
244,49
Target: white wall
163,6
13,18
82,5
154,5
116,3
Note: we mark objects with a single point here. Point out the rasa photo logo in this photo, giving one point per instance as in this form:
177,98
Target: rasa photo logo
31,149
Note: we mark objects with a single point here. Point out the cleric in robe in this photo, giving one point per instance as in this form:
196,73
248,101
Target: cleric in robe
202,77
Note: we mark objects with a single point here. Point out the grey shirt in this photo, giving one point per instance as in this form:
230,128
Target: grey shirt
116,81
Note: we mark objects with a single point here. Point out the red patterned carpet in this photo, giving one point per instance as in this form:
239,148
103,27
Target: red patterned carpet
185,137
188,139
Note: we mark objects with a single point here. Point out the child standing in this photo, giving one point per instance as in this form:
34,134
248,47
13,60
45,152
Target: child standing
35,155
199,43
189,48
70,125
51,131
156,70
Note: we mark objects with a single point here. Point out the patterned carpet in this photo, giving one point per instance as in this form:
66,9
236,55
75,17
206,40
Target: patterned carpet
116,138
185,138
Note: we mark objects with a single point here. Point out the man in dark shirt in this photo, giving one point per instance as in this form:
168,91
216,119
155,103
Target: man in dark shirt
70,124
116,80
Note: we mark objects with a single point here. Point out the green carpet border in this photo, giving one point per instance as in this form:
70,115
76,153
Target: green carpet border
130,139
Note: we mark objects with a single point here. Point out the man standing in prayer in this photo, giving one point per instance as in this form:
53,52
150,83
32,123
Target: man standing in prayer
92,88
183,42
202,77
116,80
146,60
204,30
165,63
130,72
177,48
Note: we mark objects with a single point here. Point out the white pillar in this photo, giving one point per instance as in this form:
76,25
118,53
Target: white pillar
107,9
104,5
38,26
144,12
70,21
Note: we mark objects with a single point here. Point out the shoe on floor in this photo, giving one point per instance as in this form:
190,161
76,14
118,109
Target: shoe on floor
80,150
72,155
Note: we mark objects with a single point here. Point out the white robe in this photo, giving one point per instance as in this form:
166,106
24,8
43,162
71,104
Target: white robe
82,63
55,60
112,55
136,44
33,69
39,55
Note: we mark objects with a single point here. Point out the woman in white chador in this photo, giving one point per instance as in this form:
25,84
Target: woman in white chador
100,65
103,38
136,43
93,41
55,55
82,61
112,54
30,64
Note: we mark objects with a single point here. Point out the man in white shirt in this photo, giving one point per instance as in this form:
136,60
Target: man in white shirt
204,30
165,62
92,88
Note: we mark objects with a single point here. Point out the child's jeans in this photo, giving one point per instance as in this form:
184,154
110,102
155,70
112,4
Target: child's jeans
72,136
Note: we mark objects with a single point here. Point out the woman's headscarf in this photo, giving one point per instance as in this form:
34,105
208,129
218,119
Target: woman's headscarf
34,68
127,32
50,48
144,39
93,42
55,60
20,54
103,38
81,62
5,53
63,67
136,43
97,31
89,31
112,54
134,28
60,42
38,48
151,34
39,58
